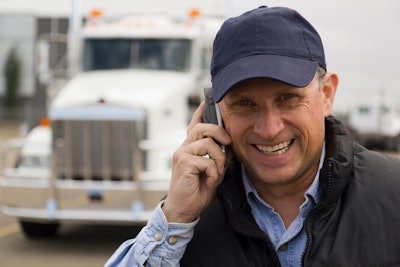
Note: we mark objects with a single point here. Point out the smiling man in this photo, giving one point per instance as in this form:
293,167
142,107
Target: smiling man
291,188
277,133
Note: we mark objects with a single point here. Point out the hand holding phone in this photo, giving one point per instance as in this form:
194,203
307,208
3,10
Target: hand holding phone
194,177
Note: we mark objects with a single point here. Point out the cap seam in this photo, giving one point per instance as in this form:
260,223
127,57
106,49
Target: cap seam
304,37
256,43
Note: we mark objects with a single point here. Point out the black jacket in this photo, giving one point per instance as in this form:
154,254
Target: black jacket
356,223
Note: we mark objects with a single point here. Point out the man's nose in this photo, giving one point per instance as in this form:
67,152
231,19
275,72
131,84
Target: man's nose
269,123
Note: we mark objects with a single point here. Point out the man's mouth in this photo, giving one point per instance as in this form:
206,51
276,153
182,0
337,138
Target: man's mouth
276,149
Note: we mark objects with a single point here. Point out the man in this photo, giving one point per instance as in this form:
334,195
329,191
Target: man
291,188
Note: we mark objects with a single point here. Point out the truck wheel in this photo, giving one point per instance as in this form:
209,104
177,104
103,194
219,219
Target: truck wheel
39,230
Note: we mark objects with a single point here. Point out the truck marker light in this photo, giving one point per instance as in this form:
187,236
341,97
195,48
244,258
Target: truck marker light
194,13
96,13
45,122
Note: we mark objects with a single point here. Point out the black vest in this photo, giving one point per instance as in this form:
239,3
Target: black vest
355,224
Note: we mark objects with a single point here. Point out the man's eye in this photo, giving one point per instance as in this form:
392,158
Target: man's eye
287,96
244,103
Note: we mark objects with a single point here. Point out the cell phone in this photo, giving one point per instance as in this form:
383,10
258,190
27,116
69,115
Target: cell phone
212,112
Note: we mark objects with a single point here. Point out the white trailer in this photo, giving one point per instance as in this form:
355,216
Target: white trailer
104,154
375,123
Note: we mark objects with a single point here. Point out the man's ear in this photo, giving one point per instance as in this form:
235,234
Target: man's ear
331,81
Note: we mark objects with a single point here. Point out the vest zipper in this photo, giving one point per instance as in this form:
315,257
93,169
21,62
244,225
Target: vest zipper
317,209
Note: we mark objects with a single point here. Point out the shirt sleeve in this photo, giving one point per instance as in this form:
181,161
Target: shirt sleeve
159,243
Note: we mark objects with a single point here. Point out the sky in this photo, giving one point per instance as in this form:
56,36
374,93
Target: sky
361,37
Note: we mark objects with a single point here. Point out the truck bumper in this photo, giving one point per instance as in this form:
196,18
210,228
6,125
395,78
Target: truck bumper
102,202
78,216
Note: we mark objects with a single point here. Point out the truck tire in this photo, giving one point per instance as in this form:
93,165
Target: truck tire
36,230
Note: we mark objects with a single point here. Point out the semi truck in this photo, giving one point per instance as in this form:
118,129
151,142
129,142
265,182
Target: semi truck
103,153
375,123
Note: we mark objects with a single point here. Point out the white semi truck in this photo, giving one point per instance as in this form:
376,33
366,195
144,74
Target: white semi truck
104,154
375,123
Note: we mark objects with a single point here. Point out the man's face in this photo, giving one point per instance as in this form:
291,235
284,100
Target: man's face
277,130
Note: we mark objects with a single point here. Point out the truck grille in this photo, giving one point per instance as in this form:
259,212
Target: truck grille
97,150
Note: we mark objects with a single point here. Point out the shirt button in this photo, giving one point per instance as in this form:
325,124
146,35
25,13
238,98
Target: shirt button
283,247
158,236
172,240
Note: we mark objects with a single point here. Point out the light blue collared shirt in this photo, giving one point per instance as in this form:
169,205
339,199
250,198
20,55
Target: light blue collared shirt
160,243
289,243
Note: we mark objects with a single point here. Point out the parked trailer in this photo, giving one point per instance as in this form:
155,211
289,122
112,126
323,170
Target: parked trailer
375,123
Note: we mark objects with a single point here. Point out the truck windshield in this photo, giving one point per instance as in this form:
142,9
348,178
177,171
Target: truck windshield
154,54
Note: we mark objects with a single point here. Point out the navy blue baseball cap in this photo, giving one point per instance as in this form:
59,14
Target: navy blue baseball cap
275,43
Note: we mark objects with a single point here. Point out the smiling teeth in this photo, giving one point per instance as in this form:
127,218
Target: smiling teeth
275,150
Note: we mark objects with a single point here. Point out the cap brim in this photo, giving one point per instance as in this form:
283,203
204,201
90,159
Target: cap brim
297,72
